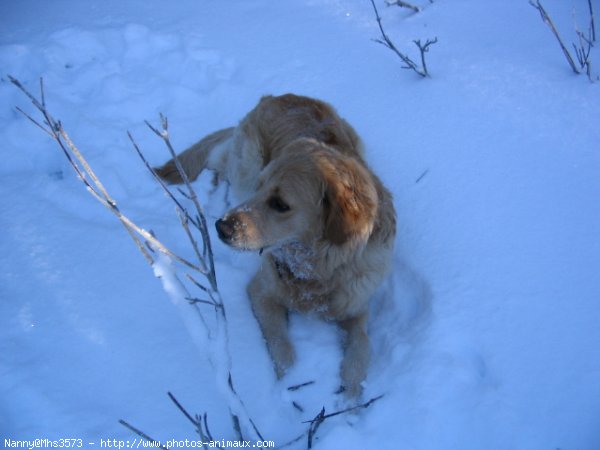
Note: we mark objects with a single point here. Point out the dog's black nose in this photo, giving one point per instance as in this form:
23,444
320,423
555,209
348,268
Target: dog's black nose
225,229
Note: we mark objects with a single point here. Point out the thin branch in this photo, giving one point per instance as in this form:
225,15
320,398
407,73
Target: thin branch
206,429
107,200
424,48
408,63
154,442
164,135
60,136
321,417
235,418
300,386
182,212
582,52
425,172
237,429
184,220
403,4
546,18
42,95
584,48
200,426
314,426
592,21
197,283
351,408
387,42
36,123
182,409
194,300
297,406
84,163
154,174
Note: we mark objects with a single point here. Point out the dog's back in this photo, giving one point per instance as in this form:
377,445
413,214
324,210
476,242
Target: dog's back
283,119
261,136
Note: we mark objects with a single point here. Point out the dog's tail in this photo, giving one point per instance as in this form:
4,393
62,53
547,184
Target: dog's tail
194,159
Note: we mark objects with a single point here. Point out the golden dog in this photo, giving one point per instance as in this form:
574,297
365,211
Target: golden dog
322,220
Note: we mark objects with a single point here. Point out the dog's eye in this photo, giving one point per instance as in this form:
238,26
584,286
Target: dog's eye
277,204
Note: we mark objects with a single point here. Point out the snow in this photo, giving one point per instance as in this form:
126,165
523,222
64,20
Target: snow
486,333
297,258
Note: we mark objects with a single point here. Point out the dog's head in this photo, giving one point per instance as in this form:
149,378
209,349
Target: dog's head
309,193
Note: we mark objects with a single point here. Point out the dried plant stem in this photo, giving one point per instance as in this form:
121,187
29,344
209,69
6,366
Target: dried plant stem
548,21
321,417
216,338
592,21
408,63
403,4
199,422
315,423
586,42
155,443
219,355
424,48
207,258
582,49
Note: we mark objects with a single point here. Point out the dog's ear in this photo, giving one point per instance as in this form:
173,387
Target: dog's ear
350,199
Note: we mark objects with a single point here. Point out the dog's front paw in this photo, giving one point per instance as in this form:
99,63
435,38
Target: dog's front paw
352,375
283,355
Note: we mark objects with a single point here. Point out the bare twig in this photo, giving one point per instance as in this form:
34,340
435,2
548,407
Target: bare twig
592,22
321,417
155,443
200,424
296,405
425,172
156,177
350,409
584,45
185,220
191,193
584,48
36,123
546,18
206,429
424,48
300,386
403,4
197,283
408,63
314,426
582,52
57,132
254,427
193,300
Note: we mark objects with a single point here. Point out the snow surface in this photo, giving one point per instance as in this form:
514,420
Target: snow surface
485,336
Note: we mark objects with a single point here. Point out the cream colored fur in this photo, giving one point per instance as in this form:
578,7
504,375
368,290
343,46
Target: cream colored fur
322,220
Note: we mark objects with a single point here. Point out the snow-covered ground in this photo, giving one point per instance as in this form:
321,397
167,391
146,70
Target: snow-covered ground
486,335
